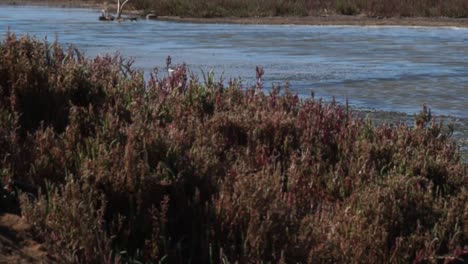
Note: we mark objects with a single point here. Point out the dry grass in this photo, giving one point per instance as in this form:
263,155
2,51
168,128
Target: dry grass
108,168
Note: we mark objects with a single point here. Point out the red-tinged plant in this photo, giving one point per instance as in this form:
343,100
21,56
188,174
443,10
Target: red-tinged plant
257,8
178,171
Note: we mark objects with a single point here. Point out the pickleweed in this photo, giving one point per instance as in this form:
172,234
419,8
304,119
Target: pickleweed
110,168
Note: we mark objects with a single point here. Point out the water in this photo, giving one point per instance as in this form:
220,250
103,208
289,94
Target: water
383,68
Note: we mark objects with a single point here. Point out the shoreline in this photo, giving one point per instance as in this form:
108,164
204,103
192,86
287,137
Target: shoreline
329,20
335,20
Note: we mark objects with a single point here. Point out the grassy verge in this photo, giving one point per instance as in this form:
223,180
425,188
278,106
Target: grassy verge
107,168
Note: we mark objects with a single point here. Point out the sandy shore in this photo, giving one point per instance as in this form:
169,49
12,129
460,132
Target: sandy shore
308,20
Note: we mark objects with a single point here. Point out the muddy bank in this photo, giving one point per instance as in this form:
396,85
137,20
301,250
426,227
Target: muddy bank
329,20
17,245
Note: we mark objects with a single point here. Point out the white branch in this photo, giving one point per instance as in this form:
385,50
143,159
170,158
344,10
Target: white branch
126,1
120,7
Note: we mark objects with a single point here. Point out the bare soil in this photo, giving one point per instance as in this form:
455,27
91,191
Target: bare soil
330,20
17,244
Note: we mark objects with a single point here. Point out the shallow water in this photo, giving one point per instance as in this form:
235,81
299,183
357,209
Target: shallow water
383,68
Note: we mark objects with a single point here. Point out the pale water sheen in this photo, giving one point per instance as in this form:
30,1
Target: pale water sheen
383,68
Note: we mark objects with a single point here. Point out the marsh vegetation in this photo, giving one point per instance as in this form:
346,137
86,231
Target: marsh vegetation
259,8
263,8
108,167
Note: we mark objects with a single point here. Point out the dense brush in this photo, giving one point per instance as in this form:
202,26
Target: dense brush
261,8
110,168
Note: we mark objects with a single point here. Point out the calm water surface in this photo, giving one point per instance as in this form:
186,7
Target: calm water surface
383,68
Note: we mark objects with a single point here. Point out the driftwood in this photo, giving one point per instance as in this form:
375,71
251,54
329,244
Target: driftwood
120,8
101,18
151,16
105,16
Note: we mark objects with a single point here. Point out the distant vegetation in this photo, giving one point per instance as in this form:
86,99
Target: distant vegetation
262,8
108,168
253,8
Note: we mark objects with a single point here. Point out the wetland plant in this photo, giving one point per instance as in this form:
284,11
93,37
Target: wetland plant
263,8
108,168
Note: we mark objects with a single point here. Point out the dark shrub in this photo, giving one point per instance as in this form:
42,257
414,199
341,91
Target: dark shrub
113,169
